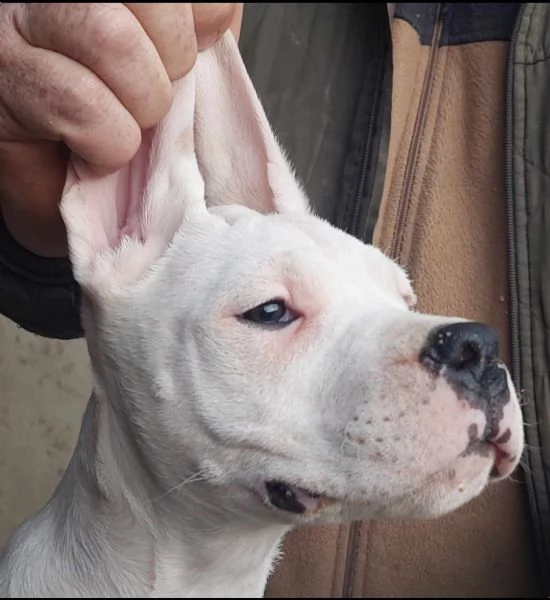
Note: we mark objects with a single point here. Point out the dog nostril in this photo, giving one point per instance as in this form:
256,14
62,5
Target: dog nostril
460,347
469,356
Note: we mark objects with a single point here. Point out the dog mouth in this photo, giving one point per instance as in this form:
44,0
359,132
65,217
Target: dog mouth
294,499
503,464
497,448
298,500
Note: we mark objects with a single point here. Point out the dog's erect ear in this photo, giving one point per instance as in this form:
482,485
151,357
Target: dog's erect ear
239,156
118,225
215,146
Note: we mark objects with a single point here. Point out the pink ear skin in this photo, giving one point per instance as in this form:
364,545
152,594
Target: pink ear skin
120,224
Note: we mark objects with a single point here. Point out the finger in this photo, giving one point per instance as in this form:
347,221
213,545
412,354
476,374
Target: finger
109,40
58,99
212,20
237,21
170,28
32,177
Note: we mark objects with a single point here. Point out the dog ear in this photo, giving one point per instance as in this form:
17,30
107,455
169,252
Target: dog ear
215,146
118,225
238,153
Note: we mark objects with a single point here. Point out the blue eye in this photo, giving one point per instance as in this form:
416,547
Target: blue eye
271,313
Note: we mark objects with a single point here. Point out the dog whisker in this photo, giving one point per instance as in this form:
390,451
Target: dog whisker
516,481
525,467
532,447
191,479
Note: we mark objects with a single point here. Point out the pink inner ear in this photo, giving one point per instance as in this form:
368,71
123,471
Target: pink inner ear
119,224
105,215
117,198
130,191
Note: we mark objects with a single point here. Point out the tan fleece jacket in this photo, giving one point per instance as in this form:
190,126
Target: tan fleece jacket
443,217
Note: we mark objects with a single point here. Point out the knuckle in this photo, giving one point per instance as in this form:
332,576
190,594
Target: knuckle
8,35
83,104
101,130
112,32
81,94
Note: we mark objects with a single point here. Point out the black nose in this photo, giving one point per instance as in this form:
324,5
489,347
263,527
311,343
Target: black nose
465,354
470,348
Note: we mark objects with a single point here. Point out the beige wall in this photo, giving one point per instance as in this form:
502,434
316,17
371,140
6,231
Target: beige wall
44,387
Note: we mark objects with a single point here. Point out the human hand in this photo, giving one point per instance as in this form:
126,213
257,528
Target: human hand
87,78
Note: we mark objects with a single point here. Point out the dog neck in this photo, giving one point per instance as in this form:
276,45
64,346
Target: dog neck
105,532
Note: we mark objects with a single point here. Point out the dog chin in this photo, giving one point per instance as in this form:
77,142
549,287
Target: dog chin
439,494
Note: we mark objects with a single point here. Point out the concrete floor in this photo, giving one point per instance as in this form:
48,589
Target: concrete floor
44,388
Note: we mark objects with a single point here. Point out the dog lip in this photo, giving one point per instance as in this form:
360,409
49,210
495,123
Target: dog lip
503,461
292,498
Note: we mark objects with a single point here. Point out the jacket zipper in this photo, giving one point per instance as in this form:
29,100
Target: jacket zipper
349,571
515,366
510,218
353,229
403,204
397,242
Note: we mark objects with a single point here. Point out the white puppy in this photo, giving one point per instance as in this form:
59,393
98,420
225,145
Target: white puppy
255,370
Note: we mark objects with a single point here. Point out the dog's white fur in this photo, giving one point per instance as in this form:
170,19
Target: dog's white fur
194,410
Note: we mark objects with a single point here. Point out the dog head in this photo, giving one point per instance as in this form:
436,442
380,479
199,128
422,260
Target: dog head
241,338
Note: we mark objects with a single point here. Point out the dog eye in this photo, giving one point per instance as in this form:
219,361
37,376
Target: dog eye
273,312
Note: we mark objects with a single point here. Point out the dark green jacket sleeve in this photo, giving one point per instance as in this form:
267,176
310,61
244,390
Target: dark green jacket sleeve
39,294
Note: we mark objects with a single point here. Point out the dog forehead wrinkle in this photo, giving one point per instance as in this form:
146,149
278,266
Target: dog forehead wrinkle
354,255
243,248
292,232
